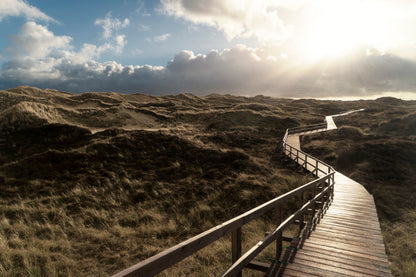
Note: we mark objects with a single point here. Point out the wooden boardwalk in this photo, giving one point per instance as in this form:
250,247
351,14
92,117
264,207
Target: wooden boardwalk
346,242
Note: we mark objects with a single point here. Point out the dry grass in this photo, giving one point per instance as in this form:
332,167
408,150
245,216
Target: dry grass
77,202
93,183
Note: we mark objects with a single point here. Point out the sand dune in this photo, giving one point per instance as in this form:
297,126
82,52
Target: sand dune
92,183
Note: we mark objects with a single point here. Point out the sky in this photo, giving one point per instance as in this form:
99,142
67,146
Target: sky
281,48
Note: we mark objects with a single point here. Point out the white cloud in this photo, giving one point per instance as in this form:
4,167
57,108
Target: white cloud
40,58
143,27
236,18
110,24
36,41
37,55
162,37
120,43
21,8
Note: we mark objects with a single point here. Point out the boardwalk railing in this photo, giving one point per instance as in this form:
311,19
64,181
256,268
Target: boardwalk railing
320,193
310,163
304,129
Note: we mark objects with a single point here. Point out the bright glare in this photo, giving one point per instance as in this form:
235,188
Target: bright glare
336,27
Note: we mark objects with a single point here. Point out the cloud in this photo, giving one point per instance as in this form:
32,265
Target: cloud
143,27
250,18
158,38
36,41
40,58
141,9
21,8
162,37
110,24
37,55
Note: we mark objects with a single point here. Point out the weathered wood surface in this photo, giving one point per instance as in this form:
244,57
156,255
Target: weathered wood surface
346,242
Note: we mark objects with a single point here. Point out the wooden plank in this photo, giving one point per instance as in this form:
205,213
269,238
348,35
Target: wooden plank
343,260
260,266
351,225
367,201
348,213
368,221
335,269
355,215
344,255
331,250
306,270
357,269
353,208
354,227
350,241
335,228
346,238
302,272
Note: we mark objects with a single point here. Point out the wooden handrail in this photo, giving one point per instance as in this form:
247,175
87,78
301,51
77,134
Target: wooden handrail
314,127
292,151
173,255
169,257
255,250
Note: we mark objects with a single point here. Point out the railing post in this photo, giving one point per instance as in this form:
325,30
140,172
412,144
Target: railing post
279,245
306,162
236,246
313,207
301,216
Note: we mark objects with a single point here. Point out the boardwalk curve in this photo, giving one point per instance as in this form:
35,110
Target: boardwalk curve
346,242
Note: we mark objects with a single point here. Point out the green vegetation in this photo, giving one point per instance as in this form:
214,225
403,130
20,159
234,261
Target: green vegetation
93,183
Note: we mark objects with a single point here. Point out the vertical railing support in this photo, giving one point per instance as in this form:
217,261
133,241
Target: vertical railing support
306,162
236,246
313,210
279,245
297,156
301,216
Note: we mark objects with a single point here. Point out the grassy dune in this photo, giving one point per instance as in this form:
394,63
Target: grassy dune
95,182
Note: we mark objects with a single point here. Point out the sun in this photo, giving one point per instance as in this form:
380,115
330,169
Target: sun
336,27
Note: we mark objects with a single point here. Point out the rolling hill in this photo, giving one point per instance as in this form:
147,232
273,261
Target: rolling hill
92,183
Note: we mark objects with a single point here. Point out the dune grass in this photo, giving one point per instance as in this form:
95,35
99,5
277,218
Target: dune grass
94,192
77,203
